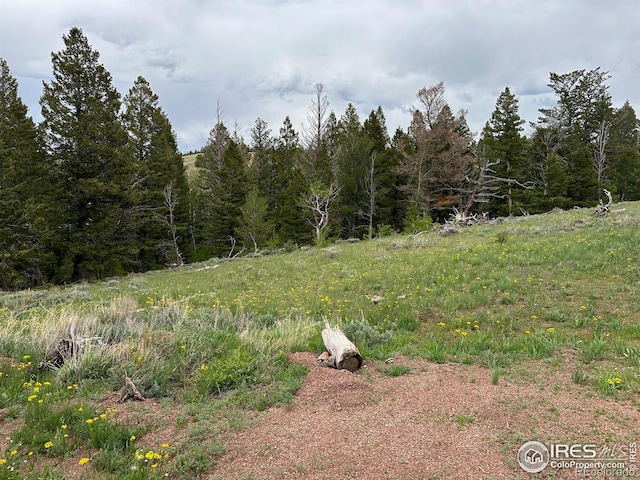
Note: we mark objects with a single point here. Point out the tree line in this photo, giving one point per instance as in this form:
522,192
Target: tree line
98,188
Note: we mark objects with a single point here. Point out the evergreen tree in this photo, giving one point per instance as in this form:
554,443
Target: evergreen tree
289,219
158,164
228,197
210,161
352,153
506,148
583,113
254,229
262,169
625,153
27,204
86,141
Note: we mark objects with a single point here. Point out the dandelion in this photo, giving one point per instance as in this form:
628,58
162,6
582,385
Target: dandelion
441,324
534,317
132,438
183,347
464,334
63,427
527,332
30,398
551,329
617,380
48,445
79,409
89,421
26,357
154,465
204,368
3,461
83,460
610,381
14,452
30,454
165,445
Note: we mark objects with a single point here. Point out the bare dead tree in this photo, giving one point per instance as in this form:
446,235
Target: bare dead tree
603,209
483,183
168,219
319,202
369,186
233,247
314,129
432,100
599,150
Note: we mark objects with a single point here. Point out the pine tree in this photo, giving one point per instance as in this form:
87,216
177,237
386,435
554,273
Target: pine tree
506,147
158,165
27,206
86,141
289,219
625,153
583,114
228,197
352,153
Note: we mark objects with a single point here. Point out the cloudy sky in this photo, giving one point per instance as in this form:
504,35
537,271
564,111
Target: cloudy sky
262,58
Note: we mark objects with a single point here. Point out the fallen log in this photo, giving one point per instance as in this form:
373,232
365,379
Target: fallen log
341,352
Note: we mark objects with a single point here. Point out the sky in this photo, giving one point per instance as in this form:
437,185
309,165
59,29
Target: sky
263,58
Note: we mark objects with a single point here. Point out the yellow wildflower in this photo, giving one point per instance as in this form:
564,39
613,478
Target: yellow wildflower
83,460
48,445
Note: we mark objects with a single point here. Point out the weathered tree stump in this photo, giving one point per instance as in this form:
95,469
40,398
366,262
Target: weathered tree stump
342,352
67,349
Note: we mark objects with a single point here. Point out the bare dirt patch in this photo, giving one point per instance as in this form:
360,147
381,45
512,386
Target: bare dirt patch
437,422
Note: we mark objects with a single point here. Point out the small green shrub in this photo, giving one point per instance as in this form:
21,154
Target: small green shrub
363,334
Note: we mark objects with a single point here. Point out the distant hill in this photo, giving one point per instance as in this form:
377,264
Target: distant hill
189,161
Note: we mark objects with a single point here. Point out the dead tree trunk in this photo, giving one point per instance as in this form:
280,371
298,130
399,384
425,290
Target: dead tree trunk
342,352
603,209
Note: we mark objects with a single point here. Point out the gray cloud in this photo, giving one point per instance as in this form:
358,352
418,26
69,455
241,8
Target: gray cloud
262,58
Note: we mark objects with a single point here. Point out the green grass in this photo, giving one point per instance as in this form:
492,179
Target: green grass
217,333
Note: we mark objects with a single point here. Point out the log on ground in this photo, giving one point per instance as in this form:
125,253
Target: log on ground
343,354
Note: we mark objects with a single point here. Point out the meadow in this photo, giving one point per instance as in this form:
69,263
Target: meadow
209,341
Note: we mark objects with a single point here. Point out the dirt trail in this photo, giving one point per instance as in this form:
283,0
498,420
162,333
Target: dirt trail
436,422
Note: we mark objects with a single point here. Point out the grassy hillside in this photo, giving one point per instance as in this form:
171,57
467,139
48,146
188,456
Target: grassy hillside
190,162
497,295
